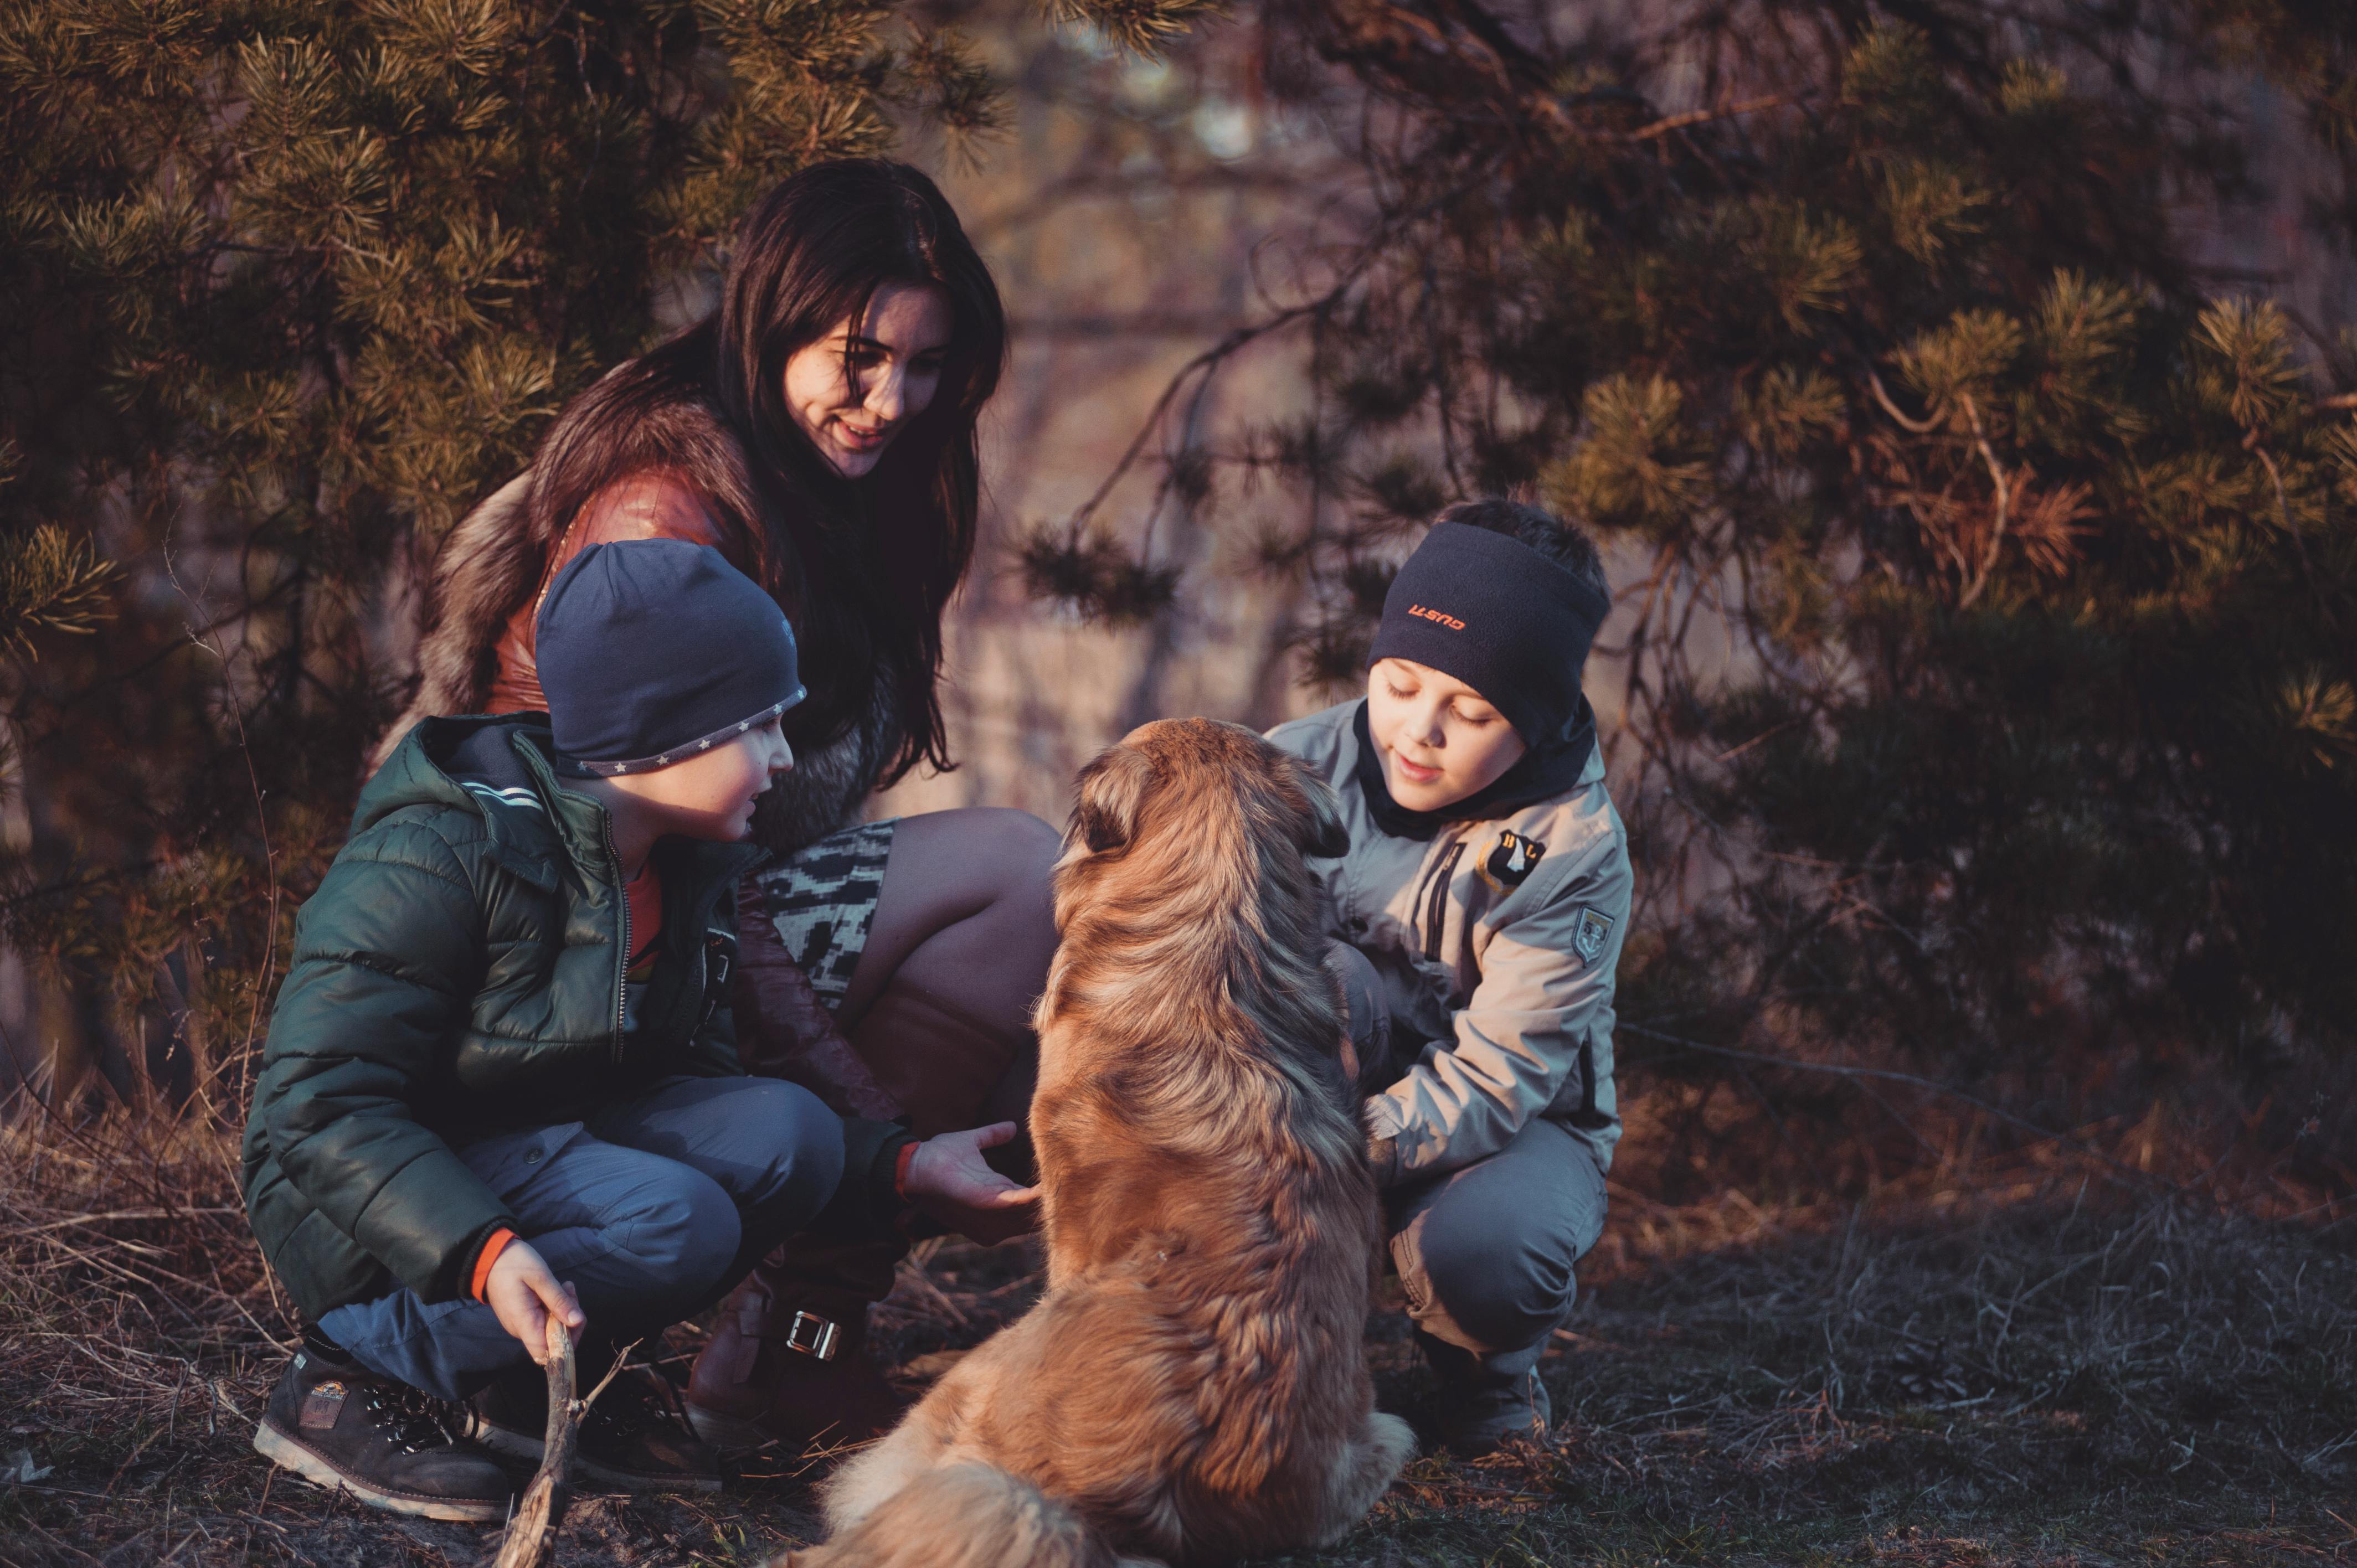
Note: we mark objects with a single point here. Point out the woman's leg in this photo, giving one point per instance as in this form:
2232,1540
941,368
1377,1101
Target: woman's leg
940,1002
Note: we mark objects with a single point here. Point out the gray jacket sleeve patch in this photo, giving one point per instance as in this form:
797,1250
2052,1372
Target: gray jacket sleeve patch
1590,933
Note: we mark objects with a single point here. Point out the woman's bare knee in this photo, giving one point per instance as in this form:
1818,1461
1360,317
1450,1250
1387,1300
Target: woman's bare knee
979,872
961,860
1005,848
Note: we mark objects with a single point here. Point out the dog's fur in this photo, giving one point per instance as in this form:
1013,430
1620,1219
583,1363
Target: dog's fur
1194,1387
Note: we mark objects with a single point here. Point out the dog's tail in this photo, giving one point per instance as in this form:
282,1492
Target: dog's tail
964,1516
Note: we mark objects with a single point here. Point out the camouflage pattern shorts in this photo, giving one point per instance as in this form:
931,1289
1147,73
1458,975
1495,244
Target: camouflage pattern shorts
822,898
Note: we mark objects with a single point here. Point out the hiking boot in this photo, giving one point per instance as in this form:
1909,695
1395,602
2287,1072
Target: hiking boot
390,1445
1485,1400
787,1362
633,1439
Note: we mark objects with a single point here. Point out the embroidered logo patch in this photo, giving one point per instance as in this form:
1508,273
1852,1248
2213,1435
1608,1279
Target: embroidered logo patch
1511,861
321,1406
1588,937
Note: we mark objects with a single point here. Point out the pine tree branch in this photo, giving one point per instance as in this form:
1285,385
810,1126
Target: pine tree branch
2298,542
1692,117
1919,426
2004,505
1411,50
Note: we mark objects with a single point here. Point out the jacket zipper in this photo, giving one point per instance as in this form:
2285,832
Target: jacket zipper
622,958
1423,886
1435,909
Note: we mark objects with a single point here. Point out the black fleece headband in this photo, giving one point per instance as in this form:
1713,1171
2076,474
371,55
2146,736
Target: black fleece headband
1498,616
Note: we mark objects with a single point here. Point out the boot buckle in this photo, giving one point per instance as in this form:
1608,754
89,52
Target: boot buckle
811,1334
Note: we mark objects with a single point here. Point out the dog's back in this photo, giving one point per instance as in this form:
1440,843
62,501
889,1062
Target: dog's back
1193,1385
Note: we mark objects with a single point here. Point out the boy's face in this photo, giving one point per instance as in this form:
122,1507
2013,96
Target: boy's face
1439,740
711,794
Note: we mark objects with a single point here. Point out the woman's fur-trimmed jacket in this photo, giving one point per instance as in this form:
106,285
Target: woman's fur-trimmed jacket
497,558
1496,944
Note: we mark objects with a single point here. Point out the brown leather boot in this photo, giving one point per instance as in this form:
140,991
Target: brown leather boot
788,1362
935,1057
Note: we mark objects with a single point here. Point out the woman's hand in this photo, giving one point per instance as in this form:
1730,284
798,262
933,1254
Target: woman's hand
949,1179
526,1295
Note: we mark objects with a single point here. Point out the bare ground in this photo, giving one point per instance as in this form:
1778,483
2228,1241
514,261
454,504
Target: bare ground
2036,1363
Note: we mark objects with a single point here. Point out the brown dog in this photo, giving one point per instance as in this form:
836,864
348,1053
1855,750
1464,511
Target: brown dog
1194,1387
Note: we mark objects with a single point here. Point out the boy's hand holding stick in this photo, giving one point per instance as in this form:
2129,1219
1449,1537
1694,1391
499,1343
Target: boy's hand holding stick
541,1312
529,1301
947,1176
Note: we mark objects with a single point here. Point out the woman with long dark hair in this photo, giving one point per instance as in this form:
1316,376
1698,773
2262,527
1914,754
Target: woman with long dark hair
818,429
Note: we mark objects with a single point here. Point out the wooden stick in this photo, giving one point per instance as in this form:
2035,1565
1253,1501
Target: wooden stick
531,1541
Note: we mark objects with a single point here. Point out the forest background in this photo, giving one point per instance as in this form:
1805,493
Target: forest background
1966,393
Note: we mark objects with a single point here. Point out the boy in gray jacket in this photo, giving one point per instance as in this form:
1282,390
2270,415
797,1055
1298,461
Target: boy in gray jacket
1478,920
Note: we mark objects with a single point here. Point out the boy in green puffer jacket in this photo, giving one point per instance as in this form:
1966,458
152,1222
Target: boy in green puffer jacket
500,1084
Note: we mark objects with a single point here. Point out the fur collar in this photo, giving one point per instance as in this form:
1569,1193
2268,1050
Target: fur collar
491,561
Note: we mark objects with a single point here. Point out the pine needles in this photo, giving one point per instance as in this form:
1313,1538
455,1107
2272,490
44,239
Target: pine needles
284,291
1987,566
49,582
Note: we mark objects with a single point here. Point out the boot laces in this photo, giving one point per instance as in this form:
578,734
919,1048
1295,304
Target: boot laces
634,1404
414,1419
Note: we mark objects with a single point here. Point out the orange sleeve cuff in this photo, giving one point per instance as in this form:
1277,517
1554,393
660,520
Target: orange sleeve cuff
907,1156
492,1247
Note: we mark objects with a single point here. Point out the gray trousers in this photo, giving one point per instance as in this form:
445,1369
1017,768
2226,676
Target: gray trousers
1485,1251
651,1210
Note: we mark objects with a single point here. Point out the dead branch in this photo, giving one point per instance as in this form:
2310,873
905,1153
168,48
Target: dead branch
1668,123
2258,449
2003,507
1205,364
531,1541
1919,426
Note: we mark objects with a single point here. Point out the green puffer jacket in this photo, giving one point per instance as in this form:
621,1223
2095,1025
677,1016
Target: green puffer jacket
459,973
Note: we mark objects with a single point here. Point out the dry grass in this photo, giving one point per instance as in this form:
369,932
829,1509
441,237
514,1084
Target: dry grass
2035,1361
2046,1378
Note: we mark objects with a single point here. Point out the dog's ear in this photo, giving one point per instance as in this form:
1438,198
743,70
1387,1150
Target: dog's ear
1109,793
1323,833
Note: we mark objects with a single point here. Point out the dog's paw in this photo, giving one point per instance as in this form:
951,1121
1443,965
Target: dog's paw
1392,1440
